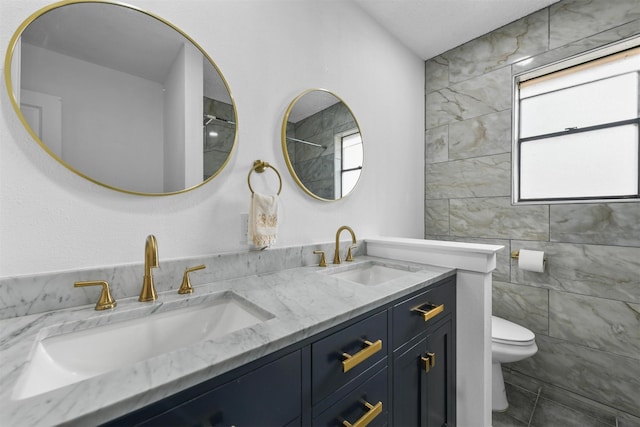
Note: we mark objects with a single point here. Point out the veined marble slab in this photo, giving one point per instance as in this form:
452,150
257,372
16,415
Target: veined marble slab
597,270
608,325
605,223
495,217
488,93
476,177
572,20
598,375
520,39
525,305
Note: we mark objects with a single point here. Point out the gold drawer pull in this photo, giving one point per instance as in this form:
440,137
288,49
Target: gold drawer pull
431,311
372,413
429,361
352,361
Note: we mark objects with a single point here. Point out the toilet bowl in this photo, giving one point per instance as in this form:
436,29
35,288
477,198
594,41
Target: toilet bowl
509,343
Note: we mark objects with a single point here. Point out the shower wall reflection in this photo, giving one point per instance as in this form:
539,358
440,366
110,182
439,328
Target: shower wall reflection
219,135
325,149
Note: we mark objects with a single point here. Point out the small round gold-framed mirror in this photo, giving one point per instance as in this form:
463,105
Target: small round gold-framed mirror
121,97
322,145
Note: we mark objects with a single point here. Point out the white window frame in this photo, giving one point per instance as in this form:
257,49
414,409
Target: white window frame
549,69
339,167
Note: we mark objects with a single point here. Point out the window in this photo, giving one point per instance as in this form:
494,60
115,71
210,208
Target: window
576,129
348,161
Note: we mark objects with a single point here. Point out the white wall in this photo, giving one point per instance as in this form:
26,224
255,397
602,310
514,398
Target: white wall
174,125
269,52
98,141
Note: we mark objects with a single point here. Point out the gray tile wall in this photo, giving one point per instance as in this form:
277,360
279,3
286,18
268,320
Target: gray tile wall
314,165
585,307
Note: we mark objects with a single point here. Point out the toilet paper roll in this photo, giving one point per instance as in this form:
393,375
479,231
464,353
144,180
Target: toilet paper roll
531,260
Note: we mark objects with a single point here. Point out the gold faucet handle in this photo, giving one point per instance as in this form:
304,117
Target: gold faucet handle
323,260
349,257
106,301
185,287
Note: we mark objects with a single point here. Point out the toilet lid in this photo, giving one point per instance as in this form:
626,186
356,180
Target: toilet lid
505,331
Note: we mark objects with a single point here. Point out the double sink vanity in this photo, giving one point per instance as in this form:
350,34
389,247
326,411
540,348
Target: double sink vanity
299,346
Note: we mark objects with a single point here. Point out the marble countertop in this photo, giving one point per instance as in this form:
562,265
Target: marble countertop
303,301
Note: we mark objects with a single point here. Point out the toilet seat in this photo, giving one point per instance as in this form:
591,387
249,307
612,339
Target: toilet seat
509,333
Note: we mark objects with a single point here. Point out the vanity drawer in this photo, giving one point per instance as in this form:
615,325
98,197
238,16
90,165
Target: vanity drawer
331,368
368,402
412,316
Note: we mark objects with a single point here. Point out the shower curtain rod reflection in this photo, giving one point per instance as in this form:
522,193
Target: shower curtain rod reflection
210,118
305,142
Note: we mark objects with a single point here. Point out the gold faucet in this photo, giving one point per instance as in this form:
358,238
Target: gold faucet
148,292
336,257
106,301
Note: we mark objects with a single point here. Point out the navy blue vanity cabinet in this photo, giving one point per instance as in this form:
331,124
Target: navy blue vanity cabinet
391,366
423,383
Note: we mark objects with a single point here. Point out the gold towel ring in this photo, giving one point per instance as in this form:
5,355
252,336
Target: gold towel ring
260,166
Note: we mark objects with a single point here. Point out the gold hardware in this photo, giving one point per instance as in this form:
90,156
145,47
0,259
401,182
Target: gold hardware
427,364
106,301
515,254
372,413
431,312
369,350
336,257
260,166
349,257
429,361
185,287
148,292
323,260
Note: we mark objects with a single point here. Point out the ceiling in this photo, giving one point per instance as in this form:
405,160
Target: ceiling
432,27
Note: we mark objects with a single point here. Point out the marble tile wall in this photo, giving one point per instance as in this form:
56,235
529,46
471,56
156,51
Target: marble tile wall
585,307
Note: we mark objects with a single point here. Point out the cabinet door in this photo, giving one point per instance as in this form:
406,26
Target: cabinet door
440,378
423,380
268,396
409,387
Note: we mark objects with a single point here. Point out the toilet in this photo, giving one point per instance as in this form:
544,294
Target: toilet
509,343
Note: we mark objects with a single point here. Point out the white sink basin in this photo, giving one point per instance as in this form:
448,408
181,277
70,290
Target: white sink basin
372,273
71,357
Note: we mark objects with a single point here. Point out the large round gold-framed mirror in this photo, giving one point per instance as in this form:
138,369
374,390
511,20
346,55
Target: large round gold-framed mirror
322,145
121,97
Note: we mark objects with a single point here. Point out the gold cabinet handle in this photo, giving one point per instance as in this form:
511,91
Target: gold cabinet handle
185,287
431,311
369,350
429,361
106,301
372,413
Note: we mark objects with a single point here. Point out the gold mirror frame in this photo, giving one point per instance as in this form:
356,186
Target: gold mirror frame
14,101
316,144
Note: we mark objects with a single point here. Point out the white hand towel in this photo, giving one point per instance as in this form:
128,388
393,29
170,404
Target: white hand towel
263,220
